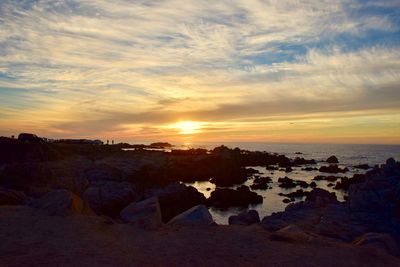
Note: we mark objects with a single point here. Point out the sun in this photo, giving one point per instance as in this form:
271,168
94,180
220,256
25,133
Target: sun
188,127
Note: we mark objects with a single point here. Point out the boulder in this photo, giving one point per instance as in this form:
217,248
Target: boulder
11,197
321,198
245,218
332,159
175,202
59,202
261,183
333,169
362,167
241,197
145,214
286,182
109,197
102,172
197,215
379,240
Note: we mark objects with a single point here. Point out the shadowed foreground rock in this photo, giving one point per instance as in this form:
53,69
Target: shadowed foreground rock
145,214
197,215
59,202
11,197
245,218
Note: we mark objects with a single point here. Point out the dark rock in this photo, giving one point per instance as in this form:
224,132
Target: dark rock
313,184
208,188
286,200
345,182
272,168
333,169
302,161
379,240
102,172
332,159
145,214
242,196
11,197
288,169
286,182
197,215
297,194
362,167
245,218
174,203
109,197
321,197
59,202
261,183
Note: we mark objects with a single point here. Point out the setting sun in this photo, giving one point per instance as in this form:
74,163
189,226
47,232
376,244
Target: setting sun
188,127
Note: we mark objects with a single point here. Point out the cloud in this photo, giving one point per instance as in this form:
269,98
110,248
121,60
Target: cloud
86,66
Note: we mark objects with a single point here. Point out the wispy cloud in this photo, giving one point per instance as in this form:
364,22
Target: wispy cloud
126,68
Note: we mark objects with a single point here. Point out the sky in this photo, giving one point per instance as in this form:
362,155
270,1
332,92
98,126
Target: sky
191,70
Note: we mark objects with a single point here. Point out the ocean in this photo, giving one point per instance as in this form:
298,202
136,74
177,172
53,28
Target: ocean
348,155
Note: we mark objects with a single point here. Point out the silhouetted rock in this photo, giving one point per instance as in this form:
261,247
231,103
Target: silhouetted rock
332,159
102,172
11,197
286,182
109,197
329,178
296,194
308,169
333,169
379,240
175,202
242,196
195,216
245,218
59,202
261,183
145,214
303,161
362,167
345,182
288,169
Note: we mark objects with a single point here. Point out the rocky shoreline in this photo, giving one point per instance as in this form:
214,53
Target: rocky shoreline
144,190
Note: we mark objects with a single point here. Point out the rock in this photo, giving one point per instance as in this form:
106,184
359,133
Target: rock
332,159
294,233
333,169
145,214
297,194
174,203
109,197
59,202
379,240
261,183
313,184
288,169
245,218
272,168
320,197
197,215
362,167
302,161
102,172
287,200
11,197
286,182
344,183
242,197
309,169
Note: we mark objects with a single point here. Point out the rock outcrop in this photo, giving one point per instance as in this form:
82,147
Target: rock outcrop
109,197
11,197
59,202
332,160
197,215
241,197
145,214
245,218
